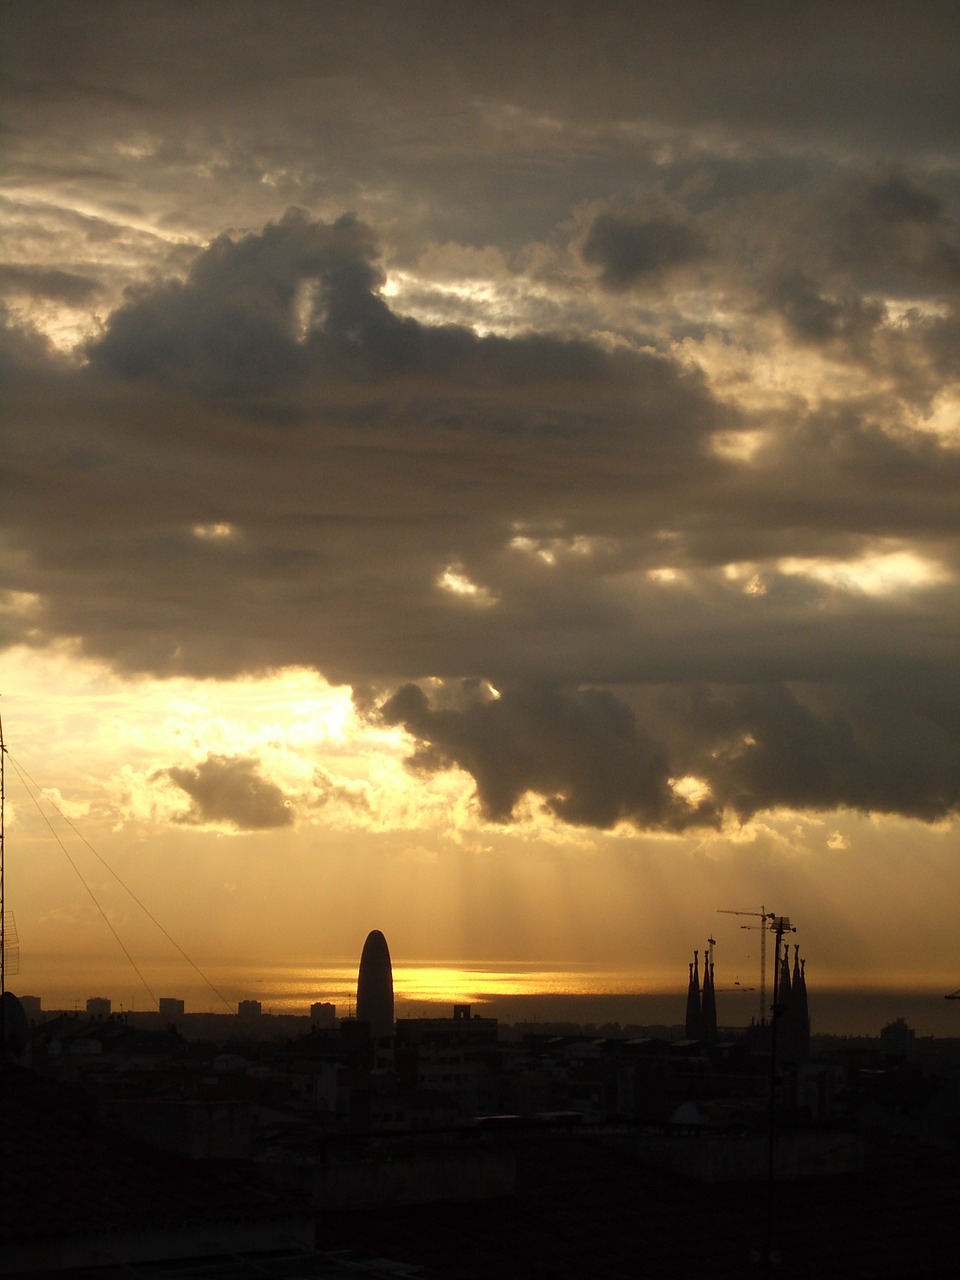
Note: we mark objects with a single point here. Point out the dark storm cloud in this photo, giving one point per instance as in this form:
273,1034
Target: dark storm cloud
822,319
230,327
231,789
941,341
897,235
187,488
407,448
581,751
632,251
590,758
44,282
889,749
299,303
687,426
479,121
896,200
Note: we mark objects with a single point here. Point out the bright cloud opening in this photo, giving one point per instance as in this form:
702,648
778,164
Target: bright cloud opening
219,531
880,574
691,789
664,575
550,550
456,582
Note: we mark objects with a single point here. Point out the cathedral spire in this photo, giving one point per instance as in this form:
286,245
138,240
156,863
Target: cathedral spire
693,1026
783,995
708,1006
801,1011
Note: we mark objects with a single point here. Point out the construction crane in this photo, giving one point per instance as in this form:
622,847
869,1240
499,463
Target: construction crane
763,916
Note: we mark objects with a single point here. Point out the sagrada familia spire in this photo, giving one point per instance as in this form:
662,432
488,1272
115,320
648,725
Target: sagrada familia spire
701,1020
792,1012
708,1003
693,1025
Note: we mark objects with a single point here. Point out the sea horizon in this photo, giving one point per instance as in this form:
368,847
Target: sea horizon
512,991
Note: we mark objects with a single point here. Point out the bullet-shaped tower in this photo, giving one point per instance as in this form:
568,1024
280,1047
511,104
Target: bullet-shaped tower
375,985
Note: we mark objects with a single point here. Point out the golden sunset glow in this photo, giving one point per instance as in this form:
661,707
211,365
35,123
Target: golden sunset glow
374,845
501,501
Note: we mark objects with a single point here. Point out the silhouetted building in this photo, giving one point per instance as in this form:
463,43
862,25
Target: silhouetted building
708,1004
792,1012
31,1006
693,1024
783,991
80,1195
249,1009
14,1027
98,1007
323,1015
170,1007
465,1027
375,986
898,1038
799,1010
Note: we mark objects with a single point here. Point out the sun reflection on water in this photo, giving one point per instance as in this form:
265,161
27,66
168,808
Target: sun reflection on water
294,988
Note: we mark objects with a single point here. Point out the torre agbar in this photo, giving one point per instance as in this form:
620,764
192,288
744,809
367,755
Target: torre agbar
375,986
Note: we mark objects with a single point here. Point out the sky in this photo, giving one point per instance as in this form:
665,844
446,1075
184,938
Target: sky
484,472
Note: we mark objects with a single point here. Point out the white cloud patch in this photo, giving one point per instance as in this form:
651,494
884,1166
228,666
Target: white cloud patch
878,574
454,581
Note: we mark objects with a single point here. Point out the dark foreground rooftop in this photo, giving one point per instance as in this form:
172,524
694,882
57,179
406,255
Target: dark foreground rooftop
71,1188
585,1211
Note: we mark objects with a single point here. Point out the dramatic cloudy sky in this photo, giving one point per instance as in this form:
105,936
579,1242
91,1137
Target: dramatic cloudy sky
488,472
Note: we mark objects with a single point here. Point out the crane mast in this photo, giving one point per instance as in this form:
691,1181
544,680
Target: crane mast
763,916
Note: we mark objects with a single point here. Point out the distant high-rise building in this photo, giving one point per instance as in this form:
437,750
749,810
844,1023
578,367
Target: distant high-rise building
898,1039
323,1015
170,1007
99,1007
249,1009
375,986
